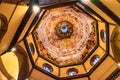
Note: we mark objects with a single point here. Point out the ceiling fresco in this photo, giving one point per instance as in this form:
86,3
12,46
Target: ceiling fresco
65,35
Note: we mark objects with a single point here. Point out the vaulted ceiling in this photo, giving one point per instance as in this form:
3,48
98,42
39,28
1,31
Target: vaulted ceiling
63,40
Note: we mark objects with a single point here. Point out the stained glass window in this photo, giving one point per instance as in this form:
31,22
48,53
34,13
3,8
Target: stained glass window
94,59
47,67
103,35
31,48
72,71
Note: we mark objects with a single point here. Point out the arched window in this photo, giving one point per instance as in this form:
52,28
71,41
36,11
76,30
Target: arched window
103,35
72,71
47,67
31,48
94,60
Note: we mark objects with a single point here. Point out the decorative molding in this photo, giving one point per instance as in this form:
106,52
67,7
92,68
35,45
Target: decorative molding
114,75
20,28
106,10
76,76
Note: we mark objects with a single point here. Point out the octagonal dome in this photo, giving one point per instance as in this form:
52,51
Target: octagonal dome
65,35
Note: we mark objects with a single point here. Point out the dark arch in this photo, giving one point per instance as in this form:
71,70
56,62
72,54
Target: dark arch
23,62
3,26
